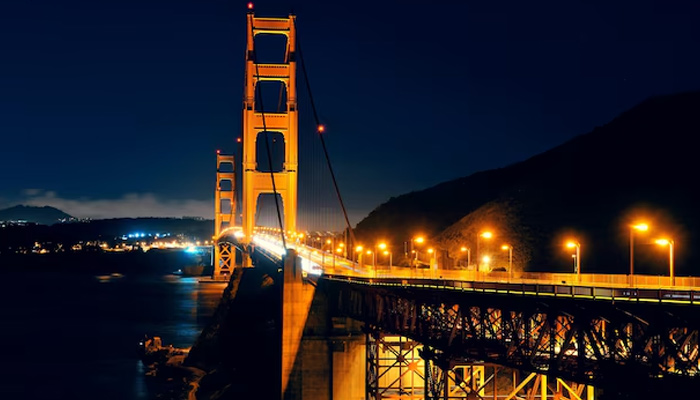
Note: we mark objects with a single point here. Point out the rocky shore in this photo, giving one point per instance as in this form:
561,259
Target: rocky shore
237,354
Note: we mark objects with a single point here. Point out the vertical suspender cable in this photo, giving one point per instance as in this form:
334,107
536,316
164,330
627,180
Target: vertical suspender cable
267,140
320,135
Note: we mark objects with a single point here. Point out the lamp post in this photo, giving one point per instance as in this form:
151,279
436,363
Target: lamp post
418,240
388,253
381,246
573,244
641,228
486,260
358,250
510,258
669,243
431,252
485,235
344,250
469,254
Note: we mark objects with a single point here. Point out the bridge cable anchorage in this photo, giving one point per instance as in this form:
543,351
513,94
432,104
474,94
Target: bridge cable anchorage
320,129
266,135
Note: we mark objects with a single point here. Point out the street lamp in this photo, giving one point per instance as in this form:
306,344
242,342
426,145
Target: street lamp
469,254
486,260
485,235
381,246
573,244
669,243
641,227
418,240
386,252
430,258
510,258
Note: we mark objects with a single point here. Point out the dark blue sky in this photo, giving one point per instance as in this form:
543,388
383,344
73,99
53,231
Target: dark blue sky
120,104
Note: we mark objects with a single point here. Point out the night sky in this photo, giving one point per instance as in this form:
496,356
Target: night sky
115,108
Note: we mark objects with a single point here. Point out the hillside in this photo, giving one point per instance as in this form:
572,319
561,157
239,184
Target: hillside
640,164
41,215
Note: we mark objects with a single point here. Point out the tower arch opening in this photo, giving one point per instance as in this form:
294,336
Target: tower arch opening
275,163
274,96
270,48
266,210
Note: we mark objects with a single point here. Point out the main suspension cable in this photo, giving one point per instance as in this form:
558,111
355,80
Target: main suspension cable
320,129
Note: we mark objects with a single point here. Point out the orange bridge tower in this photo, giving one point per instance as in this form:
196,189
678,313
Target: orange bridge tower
224,215
256,122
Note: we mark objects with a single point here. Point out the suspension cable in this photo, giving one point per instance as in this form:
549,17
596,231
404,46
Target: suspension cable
320,129
266,134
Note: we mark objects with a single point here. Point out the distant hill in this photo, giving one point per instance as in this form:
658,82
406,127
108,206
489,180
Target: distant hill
641,164
45,215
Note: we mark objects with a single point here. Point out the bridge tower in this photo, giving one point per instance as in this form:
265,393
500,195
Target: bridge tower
224,215
256,182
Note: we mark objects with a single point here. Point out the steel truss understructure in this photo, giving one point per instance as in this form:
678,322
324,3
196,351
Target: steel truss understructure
624,348
402,368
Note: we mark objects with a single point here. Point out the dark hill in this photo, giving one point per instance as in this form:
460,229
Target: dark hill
643,163
45,215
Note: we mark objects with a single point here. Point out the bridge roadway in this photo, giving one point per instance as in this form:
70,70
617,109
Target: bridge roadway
598,330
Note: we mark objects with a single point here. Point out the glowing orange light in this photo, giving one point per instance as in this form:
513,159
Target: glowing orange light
218,152
250,5
321,129
238,140
419,239
487,235
641,227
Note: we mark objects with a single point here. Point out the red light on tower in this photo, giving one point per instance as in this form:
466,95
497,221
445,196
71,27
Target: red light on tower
218,152
321,129
238,140
250,5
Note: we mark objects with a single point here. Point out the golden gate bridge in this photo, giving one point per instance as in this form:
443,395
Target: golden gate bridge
435,332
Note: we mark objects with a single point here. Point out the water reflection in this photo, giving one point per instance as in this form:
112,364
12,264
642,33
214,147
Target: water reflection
92,325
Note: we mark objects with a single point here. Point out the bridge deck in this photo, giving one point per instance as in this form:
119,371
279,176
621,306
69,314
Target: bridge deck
609,287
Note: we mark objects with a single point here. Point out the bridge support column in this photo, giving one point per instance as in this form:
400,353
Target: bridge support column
294,314
224,260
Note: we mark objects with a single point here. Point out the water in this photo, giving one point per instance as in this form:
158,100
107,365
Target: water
74,336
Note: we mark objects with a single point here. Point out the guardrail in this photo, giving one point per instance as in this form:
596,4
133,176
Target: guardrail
670,296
